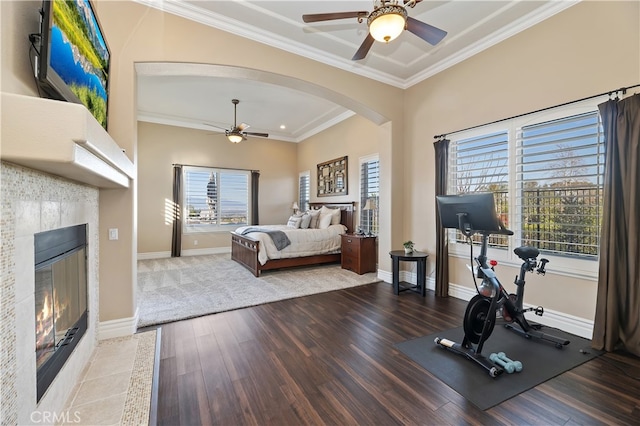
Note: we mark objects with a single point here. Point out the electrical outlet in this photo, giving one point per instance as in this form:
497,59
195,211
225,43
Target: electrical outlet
113,233
195,242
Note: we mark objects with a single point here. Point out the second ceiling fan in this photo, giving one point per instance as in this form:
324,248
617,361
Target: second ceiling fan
386,22
237,133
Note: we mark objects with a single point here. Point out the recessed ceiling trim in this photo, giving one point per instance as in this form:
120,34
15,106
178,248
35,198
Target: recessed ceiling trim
166,120
326,125
179,68
245,30
512,29
242,29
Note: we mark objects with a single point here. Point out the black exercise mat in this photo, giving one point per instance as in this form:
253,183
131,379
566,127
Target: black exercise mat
541,361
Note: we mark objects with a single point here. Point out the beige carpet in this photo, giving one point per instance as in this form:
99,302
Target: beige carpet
187,287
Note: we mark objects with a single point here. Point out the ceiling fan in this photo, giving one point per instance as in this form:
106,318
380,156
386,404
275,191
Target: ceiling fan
386,22
237,133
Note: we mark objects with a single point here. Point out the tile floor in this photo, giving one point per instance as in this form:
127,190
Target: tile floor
116,382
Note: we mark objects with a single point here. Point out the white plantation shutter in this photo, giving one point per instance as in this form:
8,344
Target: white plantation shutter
304,191
481,164
369,190
560,181
214,198
546,171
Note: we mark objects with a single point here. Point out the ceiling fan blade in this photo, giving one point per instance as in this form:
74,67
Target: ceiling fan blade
262,135
364,48
428,33
317,17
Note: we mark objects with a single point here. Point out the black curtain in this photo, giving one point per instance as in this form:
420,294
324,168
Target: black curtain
442,246
176,236
617,319
255,180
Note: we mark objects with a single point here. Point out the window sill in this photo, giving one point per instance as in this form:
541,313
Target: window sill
574,268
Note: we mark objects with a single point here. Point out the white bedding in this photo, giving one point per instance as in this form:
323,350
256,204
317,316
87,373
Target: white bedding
304,242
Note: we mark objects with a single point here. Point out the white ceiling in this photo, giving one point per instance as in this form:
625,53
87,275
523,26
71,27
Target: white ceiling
172,95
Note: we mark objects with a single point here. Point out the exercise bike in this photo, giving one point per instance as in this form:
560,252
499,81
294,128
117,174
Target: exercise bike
475,214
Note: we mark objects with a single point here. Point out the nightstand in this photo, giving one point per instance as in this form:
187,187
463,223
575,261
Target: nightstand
359,253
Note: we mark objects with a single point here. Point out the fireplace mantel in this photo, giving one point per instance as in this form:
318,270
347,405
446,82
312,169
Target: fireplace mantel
61,138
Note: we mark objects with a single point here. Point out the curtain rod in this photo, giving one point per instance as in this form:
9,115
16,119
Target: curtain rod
622,89
214,167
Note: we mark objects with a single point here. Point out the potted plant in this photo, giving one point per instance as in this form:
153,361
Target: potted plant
408,246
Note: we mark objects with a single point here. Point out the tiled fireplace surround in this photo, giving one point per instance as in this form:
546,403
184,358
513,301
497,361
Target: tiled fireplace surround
34,202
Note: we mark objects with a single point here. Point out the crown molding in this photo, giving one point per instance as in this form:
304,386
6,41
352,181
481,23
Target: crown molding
242,29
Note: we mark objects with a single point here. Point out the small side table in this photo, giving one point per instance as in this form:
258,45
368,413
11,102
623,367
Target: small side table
420,258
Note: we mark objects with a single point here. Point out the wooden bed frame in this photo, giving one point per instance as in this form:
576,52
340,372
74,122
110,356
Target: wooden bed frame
244,249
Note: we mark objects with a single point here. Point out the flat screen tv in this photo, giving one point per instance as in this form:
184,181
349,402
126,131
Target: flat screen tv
72,63
469,212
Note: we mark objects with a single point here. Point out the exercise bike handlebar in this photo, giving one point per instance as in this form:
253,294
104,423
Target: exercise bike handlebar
465,228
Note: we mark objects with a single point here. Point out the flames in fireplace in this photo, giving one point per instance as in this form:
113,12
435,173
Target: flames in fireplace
47,334
60,299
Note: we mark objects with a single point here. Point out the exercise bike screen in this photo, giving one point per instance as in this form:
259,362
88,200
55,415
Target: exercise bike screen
479,210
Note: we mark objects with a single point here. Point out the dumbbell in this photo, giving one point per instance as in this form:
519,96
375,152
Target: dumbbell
507,366
516,364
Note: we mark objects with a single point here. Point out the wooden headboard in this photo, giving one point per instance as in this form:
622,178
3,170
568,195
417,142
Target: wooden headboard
347,214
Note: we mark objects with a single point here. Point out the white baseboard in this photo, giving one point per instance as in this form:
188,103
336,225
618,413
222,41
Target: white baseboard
190,252
154,255
118,327
571,324
406,276
200,252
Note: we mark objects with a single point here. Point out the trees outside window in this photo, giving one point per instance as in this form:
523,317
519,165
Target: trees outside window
546,172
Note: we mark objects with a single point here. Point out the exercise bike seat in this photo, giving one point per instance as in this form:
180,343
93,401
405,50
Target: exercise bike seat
525,252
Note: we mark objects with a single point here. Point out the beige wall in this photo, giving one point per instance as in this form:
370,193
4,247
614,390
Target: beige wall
588,49
355,137
140,34
279,164
161,146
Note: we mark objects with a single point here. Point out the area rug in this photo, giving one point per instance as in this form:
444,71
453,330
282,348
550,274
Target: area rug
541,361
187,287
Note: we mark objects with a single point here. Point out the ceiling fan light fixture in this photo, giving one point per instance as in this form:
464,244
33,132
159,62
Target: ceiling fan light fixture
387,22
235,137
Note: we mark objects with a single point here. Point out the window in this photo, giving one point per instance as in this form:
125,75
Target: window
215,198
304,191
369,191
546,172
481,164
560,181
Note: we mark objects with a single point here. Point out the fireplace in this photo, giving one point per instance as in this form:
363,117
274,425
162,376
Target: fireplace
60,299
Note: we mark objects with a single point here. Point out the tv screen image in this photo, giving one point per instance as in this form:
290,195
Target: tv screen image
74,56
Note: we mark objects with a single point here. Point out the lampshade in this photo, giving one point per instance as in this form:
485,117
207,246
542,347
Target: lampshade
295,206
386,23
368,205
235,137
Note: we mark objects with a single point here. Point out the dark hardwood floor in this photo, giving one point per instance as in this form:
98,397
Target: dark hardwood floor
329,359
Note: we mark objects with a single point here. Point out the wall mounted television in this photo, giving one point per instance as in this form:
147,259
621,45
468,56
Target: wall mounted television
72,63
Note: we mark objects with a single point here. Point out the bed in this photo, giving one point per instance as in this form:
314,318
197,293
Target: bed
248,250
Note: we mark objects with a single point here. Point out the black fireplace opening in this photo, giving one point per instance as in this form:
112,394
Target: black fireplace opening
60,299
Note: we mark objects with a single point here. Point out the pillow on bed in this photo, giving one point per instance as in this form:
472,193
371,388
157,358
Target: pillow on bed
325,221
306,221
294,221
335,214
315,218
